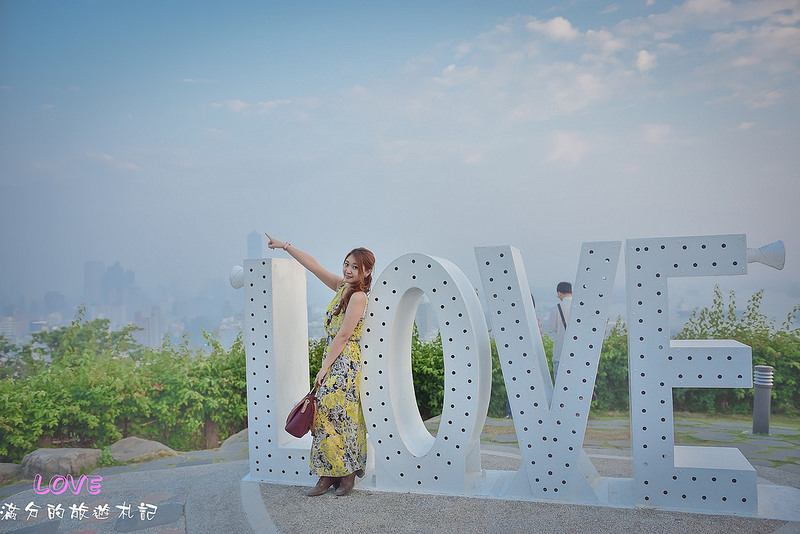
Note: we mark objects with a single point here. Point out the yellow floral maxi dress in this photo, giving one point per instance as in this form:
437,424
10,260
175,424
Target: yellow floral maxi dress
340,433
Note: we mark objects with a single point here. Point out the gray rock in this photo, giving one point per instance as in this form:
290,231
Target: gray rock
139,450
49,462
239,437
9,472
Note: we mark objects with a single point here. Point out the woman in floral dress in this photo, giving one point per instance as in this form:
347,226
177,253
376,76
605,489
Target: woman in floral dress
339,449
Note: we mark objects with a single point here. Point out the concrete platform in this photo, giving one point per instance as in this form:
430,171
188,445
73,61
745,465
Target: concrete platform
204,492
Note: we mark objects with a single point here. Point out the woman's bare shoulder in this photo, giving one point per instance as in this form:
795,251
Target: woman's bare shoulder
359,297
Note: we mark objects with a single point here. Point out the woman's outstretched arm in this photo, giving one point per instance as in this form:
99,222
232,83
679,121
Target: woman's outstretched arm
328,278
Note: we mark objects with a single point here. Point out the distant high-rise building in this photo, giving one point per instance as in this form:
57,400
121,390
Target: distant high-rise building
93,272
116,281
157,327
142,321
8,329
16,328
427,326
255,245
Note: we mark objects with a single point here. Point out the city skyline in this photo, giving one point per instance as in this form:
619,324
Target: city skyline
110,292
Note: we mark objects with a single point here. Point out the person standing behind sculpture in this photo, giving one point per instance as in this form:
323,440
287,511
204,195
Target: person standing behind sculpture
538,320
558,321
339,448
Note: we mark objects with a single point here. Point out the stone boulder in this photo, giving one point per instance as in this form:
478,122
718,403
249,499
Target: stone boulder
9,472
139,450
239,437
49,462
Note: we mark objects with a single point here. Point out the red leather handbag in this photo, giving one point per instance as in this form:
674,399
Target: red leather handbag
301,418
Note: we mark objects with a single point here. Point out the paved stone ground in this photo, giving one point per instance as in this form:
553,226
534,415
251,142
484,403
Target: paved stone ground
202,492
193,492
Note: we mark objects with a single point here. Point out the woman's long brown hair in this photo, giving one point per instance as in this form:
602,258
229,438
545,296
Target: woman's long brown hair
366,262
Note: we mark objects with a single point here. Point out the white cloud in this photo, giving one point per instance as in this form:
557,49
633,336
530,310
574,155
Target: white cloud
462,50
764,99
112,162
569,148
745,61
607,43
657,133
746,51
475,159
266,107
258,108
558,28
670,48
724,40
578,92
357,91
519,73
645,61
707,6
237,106
745,126
453,75
765,46
719,15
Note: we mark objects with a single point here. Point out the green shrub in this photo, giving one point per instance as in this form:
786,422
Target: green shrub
85,385
185,390
106,458
316,353
427,366
498,401
611,390
776,346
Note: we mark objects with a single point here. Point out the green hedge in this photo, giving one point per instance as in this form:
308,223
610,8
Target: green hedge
86,386
611,386
772,344
612,378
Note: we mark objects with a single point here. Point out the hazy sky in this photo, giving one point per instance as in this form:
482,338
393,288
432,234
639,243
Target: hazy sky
160,133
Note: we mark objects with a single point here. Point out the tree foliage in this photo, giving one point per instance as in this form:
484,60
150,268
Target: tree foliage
87,385
427,366
611,391
773,345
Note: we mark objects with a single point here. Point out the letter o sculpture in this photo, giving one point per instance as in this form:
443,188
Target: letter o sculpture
407,457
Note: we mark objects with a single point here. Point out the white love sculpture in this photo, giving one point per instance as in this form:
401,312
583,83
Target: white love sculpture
550,420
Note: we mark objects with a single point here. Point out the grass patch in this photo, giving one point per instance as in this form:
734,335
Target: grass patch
611,415
791,421
490,432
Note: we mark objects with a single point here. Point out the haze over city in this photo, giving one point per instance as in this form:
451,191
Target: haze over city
159,135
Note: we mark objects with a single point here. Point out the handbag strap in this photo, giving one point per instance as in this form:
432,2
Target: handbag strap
561,313
308,399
